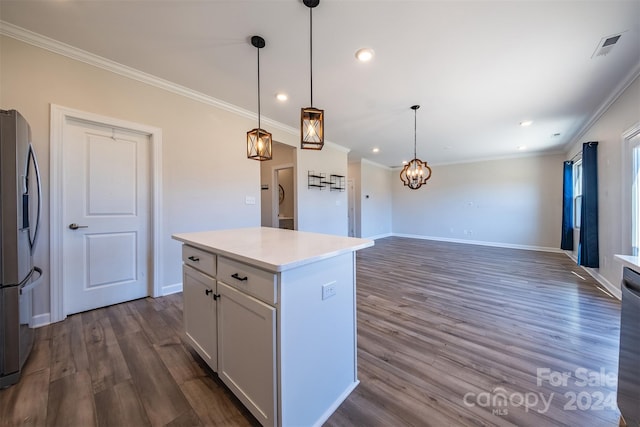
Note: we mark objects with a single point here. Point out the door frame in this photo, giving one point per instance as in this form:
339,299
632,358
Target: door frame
59,117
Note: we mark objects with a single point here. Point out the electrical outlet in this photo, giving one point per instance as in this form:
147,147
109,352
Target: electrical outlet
328,290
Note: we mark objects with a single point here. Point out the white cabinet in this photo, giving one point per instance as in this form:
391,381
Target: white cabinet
273,312
247,351
199,293
231,329
200,316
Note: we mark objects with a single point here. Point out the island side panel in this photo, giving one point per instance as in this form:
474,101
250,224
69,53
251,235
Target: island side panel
317,342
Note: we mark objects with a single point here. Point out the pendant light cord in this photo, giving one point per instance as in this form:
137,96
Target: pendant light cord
258,90
311,51
415,138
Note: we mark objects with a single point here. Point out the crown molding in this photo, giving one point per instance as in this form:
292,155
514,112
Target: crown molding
619,90
372,163
495,158
72,52
60,48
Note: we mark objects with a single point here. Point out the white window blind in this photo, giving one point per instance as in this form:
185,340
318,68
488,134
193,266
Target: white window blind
577,193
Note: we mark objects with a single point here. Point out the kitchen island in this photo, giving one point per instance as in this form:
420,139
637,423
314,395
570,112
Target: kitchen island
273,312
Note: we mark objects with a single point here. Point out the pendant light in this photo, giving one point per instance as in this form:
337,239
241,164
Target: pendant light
258,140
416,172
311,119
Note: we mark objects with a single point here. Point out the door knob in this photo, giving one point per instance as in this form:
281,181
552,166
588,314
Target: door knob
74,226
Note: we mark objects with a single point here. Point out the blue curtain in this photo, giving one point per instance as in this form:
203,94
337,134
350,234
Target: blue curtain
588,246
567,207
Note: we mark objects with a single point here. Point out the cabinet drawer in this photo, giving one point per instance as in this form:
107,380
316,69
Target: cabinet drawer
253,281
199,259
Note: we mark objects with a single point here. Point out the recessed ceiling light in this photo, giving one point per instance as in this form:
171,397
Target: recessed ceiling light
404,162
376,150
281,96
526,123
365,54
522,147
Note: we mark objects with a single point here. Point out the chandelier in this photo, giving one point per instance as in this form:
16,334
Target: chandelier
416,172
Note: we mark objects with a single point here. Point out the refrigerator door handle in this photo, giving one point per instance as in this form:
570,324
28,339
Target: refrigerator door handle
33,283
36,168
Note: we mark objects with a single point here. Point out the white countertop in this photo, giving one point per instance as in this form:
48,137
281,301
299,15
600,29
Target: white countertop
273,249
633,262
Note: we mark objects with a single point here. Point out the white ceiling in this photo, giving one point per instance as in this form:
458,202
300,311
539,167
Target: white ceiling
477,68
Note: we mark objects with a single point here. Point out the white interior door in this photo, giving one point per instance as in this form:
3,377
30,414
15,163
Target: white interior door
105,214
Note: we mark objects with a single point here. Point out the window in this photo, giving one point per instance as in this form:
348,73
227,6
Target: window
577,193
635,196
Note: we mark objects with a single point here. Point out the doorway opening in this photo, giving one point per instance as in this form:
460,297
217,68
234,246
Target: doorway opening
351,195
283,209
279,188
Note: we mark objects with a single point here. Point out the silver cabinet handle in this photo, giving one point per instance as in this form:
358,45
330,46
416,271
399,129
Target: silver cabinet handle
74,226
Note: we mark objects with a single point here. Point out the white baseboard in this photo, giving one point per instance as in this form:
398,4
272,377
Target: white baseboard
379,236
609,287
481,243
40,320
604,282
334,406
171,289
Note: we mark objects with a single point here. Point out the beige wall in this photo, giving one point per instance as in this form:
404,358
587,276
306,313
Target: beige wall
376,199
322,211
623,114
511,202
205,172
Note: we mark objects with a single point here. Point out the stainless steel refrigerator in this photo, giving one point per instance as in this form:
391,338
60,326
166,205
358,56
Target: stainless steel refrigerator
20,204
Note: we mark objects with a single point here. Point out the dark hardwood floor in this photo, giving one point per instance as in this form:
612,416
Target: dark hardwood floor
448,335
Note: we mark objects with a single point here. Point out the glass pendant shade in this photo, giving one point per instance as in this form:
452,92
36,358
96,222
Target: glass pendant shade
259,141
311,128
415,173
259,144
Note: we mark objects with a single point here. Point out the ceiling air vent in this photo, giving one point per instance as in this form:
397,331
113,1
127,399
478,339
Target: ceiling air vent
605,45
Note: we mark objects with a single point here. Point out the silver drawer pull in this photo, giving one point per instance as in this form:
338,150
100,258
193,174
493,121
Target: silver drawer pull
194,259
237,277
